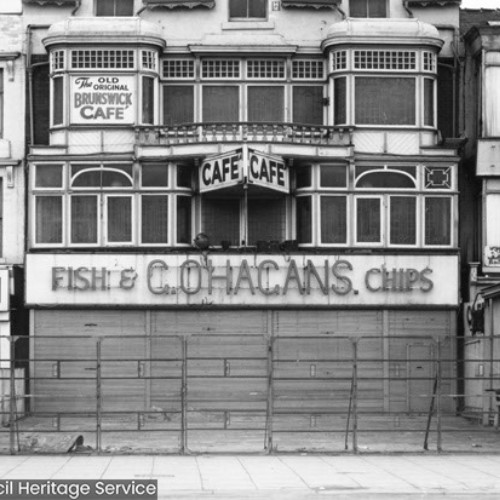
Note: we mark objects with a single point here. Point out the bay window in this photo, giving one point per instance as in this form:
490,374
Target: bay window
375,206
111,204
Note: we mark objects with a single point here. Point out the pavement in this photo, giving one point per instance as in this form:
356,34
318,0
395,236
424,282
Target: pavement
290,477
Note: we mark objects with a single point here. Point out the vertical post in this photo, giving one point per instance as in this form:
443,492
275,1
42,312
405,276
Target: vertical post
438,396
268,445
184,396
355,396
98,395
12,397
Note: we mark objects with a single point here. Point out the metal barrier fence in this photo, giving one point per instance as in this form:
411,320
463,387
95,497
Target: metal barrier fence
251,393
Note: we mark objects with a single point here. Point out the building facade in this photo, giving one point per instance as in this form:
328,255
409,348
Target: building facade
222,171
480,208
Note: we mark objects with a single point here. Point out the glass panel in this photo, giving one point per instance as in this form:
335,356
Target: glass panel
238,8
377,8
265,104
105,8
178,104
385,101
308,104
333,219
155,175
184,176
119,219
368,220
333,176
48,219
304,219
148,99
437,221
266,220
48,176
385,180
403,228
257,8
154,219
428,102
58,99
304,177
91,178
115,179
221,220
220,104
358,8
340,109
124,7
184,219
84,219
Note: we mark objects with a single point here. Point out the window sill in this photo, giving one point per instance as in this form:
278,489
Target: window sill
248,25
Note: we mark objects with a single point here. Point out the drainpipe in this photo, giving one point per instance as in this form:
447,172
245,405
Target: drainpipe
405,5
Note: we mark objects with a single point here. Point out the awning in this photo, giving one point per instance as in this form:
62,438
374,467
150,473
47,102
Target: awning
57,3
172,4
312,4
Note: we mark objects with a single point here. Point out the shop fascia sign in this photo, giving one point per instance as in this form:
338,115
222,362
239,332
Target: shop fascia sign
244,166
274,279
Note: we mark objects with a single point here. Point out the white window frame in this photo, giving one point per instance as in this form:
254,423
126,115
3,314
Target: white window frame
248,18
37,244
98,197
175,234
64,97
329,194
43,189
105,219
451,199
169,197
388,201
377,244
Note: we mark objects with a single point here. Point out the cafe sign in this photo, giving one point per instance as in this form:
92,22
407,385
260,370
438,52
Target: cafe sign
244,166
245,280
102,99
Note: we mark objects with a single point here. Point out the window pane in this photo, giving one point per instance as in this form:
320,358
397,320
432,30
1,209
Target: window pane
368,220
339,89
178,104
257,8
385,101
304,219
124,7
155,175
266,220
428,102
358,8
91,178
115,179
184,176
333,219
385,180
148,99
48,219
333,176
58,97
155,219
105,8
438,221
183,219
84,219
119,219
308,104
265,104
303,176
238,8
48,176
377,8
220,104
403,220
221,221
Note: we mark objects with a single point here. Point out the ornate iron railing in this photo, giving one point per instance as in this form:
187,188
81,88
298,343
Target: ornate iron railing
212,132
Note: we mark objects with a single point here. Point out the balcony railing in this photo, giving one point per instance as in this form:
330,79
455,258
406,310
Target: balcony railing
211,132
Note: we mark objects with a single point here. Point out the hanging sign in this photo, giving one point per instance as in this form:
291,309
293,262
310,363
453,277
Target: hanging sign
102,99
235,167
267,171
221,171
